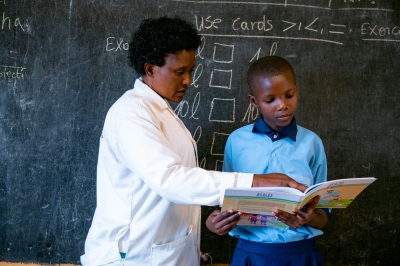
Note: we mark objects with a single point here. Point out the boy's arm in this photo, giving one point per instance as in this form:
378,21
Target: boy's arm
318,219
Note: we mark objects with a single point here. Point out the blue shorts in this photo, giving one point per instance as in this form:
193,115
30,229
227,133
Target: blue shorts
298,253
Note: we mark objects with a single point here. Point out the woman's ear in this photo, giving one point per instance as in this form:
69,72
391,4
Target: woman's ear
149,69
252,100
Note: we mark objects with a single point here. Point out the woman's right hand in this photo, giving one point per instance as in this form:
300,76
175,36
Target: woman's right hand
276,180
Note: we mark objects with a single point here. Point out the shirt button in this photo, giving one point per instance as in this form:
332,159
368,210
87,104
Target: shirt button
275,136
273,155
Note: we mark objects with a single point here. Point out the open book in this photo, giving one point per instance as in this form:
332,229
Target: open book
257,204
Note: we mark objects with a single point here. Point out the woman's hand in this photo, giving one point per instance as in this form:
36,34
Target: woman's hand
276,180
222,222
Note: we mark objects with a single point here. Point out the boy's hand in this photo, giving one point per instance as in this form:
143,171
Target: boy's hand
276,180
222,222
299,218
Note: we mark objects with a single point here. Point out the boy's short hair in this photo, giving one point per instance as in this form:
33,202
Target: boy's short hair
156,38
266,67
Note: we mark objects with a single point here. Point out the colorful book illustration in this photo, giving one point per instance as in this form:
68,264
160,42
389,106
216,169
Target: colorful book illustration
257,204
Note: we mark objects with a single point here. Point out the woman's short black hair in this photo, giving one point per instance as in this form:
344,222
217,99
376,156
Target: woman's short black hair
156,38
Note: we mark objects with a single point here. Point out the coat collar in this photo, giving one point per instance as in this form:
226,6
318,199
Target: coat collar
150,94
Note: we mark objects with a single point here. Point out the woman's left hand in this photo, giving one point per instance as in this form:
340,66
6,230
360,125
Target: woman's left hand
222,222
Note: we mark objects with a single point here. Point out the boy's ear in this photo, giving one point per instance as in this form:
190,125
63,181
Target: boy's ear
252,100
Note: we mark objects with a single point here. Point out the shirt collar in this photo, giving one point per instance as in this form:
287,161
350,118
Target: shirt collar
150,94
288,131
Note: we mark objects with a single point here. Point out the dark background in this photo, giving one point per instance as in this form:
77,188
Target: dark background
63,64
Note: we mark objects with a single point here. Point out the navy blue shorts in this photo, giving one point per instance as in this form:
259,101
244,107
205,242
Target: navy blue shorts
298,253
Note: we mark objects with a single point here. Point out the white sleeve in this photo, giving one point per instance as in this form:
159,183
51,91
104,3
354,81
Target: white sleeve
142,147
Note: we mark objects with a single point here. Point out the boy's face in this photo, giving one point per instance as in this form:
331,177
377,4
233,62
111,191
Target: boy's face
276,98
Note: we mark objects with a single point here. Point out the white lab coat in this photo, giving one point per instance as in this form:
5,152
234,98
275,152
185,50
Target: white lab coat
149,190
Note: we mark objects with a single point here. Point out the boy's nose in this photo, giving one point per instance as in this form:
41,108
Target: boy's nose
283,105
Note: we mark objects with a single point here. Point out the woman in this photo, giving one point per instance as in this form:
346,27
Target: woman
149,185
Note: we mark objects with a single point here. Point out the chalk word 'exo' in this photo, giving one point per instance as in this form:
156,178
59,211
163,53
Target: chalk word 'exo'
115,45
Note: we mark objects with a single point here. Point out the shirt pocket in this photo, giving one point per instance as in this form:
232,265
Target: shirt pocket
169,254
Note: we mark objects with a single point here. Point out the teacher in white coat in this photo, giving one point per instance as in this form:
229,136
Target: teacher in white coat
149,185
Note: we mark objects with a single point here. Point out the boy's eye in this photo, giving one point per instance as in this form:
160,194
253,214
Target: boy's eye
179,72
269,100
289,96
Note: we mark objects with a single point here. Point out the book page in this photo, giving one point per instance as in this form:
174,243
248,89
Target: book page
338,193
259,201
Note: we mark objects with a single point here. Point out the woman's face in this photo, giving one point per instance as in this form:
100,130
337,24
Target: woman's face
172,79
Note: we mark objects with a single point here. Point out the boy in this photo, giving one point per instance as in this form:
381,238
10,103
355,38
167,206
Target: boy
275,144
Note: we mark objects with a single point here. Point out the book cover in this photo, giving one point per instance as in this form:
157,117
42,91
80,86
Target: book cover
257,204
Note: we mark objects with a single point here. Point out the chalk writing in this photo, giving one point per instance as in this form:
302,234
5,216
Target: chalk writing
197,134
201,48
7,23
13,55
218,165
228,105
380,33
2,2
112,44
251,114
223,53
337,26
195,106
272,51
242,27
197,74
203,163
221,79
324,5
246,26
368,167
209,23
309,27
375,30
256,56
182,109
218,138
271,37
11,72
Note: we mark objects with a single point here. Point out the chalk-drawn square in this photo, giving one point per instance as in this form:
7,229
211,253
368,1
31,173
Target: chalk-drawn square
222,110
218,165
218,143
221,79
223,53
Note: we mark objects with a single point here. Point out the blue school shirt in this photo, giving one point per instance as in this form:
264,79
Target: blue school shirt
294,151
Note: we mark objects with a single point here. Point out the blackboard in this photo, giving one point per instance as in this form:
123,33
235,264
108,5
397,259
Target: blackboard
63,64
